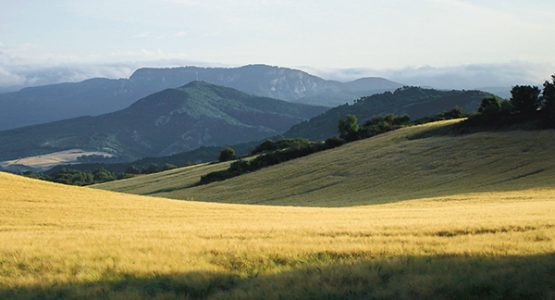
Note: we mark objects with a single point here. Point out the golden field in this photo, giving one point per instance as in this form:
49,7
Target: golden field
391,217
62,242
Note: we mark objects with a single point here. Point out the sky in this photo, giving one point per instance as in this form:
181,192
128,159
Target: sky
330,37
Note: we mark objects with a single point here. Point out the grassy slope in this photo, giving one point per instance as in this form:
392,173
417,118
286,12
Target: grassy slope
385,168
69,242
163,182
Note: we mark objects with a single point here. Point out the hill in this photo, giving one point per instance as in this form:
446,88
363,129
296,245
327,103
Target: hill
412,101
99,95
389,167
171,121
80,243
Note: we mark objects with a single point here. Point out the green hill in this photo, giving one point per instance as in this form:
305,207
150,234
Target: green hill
171,121
389,167
412,101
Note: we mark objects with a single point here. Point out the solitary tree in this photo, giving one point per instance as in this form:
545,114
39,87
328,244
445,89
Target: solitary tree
227,154
348,127
525,99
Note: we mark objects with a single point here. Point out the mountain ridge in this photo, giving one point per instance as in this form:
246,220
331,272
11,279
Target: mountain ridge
96,96
167,122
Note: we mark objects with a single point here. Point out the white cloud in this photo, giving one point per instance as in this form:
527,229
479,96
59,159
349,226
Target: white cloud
453,77
8,79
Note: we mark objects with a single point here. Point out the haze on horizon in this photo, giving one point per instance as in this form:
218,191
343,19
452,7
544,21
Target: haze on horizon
396,39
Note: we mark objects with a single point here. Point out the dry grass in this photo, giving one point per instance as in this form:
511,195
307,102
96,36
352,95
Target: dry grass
386,168
69,242
51,159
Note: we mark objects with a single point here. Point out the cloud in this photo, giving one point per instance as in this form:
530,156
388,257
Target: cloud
8,79
454,77
160,36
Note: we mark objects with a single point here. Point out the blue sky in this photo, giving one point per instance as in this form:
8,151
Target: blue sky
319,34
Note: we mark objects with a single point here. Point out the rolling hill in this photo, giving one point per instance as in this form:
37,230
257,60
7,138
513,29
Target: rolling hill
98,96
65,242
171,121
389,167
412,101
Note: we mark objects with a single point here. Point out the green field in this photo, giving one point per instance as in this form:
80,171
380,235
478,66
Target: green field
389,167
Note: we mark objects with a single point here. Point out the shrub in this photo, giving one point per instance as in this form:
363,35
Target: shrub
348,127
227,154
334,142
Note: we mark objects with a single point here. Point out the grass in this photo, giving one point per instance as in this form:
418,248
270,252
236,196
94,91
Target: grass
391,167
65,242
166,181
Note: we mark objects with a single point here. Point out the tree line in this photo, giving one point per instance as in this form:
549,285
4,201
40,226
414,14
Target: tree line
71,176
275,152
529,107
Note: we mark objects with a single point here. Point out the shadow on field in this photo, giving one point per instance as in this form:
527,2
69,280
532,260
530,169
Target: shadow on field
444,277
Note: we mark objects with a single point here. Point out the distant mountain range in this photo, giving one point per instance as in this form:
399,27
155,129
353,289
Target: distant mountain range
412,101
164,123
92,97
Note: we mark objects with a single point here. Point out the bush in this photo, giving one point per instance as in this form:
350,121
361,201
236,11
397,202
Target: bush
334,142
227,154
269,145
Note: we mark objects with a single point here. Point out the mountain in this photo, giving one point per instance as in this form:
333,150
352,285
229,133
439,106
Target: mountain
413,101
99,96
391,167
171,121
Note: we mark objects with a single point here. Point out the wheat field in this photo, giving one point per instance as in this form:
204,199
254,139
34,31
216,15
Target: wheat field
63,242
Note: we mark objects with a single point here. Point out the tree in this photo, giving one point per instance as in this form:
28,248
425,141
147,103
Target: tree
103,175
490,105
548,101
348,127
227,154
267,145
456,112
525,99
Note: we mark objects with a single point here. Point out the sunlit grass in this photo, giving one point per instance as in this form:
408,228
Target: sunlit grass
61,241
389,167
